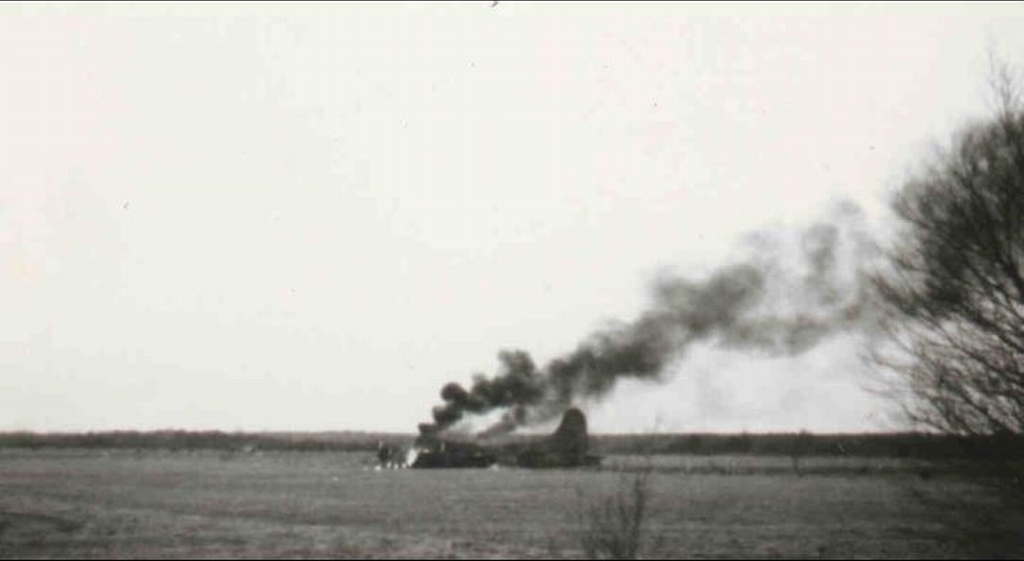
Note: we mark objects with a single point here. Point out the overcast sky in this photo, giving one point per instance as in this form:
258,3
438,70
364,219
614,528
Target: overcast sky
311,216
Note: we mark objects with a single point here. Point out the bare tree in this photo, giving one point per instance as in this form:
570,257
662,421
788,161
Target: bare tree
954,287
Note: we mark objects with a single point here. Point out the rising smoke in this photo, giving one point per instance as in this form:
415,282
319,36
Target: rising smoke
780,300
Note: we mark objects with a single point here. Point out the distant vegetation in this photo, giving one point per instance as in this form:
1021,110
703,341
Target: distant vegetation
203,440
893,445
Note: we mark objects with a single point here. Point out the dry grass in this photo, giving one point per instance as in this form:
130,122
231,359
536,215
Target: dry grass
291,504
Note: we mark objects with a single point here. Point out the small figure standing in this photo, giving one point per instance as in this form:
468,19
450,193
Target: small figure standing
383,453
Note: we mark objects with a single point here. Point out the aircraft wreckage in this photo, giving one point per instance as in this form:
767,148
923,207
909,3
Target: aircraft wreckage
567,447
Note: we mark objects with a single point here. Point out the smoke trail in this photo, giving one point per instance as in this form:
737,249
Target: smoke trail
774,301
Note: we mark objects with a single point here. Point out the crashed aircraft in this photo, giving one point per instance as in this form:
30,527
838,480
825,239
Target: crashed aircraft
567,447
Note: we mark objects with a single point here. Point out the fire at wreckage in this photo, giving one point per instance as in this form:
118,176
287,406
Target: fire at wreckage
567,447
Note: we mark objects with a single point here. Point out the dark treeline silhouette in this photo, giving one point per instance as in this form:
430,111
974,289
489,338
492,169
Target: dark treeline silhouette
891,445
203,440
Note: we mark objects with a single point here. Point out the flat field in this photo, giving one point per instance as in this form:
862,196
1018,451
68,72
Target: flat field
124,503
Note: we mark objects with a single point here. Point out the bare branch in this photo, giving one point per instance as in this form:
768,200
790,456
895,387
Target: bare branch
954,292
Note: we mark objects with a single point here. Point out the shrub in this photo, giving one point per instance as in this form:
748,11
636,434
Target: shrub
613,527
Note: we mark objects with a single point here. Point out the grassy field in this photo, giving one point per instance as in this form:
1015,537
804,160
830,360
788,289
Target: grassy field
124,503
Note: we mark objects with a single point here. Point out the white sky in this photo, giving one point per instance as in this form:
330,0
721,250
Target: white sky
311,216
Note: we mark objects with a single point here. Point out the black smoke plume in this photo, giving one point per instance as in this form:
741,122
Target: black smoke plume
771,302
